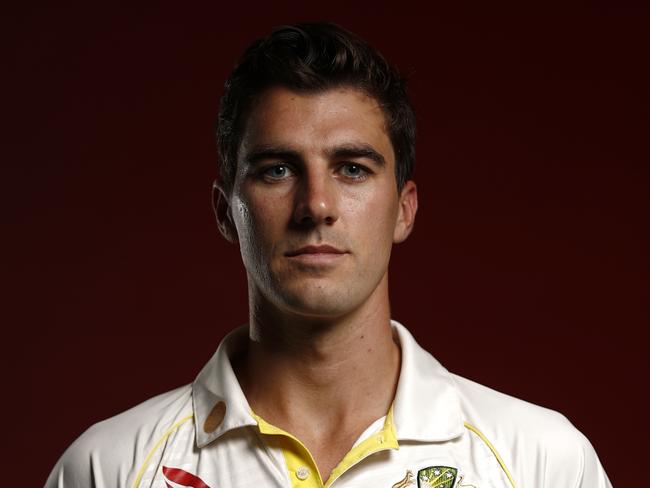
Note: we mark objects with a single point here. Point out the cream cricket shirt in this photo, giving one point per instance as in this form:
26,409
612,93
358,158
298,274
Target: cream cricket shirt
442,431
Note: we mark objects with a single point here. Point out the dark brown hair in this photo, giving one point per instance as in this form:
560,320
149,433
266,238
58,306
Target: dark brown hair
314,57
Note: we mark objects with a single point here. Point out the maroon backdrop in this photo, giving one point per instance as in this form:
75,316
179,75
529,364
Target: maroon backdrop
527,270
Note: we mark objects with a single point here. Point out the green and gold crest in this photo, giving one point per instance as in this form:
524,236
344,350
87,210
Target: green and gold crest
437,477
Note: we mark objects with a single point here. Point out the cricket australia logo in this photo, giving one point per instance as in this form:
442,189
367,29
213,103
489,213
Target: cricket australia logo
437,477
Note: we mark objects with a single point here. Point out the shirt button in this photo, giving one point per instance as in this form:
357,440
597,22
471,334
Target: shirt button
302,473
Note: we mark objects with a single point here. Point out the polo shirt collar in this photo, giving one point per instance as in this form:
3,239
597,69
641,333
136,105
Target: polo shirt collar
216,388
426,406
427,403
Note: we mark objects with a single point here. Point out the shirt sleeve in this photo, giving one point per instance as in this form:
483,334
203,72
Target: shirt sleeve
95,460
592,473
73,470
570,460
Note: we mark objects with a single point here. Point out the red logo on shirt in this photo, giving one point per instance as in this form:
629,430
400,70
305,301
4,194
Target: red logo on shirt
183,478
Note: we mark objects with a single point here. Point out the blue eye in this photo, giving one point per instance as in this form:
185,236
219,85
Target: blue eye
354,171
277,172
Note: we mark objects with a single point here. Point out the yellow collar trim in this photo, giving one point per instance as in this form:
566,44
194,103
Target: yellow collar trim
298,456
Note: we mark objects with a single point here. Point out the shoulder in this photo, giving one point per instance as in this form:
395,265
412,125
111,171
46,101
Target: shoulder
493,408
106,453
539,443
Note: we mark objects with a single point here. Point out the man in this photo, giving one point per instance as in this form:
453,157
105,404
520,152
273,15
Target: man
316,139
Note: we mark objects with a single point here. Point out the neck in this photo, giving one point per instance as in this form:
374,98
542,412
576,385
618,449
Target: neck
342,371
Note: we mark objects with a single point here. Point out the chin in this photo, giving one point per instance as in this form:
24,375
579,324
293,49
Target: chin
319,303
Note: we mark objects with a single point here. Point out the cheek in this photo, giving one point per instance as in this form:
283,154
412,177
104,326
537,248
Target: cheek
372,221
257,221
242,218
378,212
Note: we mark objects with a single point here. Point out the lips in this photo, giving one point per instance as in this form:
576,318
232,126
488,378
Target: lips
316,258
322,249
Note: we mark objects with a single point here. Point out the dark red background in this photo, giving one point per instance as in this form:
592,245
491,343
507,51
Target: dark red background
527,270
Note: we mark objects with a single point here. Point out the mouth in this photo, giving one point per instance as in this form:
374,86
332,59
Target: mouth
316,255
306,250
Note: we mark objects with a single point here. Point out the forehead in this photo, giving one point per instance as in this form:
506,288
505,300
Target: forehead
310,121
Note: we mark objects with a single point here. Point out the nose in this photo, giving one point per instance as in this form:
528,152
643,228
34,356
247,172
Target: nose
316,199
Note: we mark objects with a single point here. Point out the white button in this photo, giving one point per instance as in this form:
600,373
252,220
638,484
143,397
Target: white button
302,473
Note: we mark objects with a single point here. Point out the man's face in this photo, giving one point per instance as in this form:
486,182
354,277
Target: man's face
315,203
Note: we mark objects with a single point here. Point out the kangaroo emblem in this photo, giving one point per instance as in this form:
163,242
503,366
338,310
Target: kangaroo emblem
408,480
461,485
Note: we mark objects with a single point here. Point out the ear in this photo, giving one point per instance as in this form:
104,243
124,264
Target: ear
408,207
223,213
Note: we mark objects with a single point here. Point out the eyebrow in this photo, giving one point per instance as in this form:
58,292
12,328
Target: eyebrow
347,150
354,150
260,153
